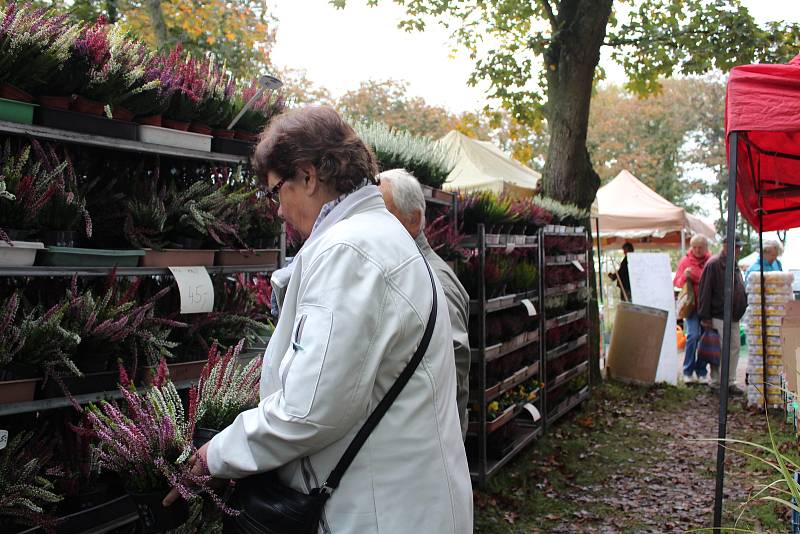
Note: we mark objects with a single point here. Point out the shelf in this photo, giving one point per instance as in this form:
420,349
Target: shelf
504,303
564,289
502,349
559,351
125,271
565,319
563,408
113,143
509,383
495,465
532,241
564,259
568,375
62,402
437,196
570,232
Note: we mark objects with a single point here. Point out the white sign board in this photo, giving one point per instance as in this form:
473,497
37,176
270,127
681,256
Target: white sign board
196,290
651,285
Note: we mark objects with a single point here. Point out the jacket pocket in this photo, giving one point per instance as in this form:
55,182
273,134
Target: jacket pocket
301,367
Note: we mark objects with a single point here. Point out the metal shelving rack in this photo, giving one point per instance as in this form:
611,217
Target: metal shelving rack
554,411
482,467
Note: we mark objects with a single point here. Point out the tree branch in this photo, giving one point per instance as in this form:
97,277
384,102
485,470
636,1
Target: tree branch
549,10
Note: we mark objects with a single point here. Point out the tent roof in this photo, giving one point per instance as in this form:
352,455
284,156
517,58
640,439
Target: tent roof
481,165
763,105
628,208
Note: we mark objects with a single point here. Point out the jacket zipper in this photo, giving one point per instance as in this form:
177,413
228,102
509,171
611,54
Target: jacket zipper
298,334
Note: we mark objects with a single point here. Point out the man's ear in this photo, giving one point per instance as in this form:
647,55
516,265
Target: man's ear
415,221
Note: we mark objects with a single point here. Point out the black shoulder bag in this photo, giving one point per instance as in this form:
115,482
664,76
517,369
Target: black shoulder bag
267,506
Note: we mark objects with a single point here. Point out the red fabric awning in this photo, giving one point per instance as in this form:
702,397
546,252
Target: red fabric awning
763,105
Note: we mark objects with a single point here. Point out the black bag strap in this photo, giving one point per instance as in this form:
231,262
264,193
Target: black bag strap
377,414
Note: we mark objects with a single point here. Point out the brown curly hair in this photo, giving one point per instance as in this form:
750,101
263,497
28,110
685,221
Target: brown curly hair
317,135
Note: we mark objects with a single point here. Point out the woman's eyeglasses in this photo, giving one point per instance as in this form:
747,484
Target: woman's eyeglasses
272,194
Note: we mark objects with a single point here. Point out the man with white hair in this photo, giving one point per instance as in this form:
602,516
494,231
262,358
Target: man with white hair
405,200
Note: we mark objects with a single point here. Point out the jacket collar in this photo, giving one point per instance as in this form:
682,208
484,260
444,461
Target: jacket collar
368,197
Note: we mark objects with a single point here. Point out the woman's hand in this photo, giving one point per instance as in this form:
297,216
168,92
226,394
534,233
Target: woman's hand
199,465
688,272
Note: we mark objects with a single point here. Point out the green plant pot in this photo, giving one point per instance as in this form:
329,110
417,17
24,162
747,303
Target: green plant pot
16,111
89,257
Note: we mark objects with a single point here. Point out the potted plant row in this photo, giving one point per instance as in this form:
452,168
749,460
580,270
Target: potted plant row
98,79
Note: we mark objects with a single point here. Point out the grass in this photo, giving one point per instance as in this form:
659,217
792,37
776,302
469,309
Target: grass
616,463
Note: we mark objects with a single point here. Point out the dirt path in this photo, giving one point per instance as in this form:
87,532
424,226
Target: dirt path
629,462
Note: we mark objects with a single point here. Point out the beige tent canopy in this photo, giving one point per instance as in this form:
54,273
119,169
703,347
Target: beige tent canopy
628,210
482,166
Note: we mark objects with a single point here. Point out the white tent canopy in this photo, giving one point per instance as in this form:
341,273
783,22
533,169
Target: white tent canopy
479,165
627,208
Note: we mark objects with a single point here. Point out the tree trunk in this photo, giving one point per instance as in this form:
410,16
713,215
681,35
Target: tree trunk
157,19
570,63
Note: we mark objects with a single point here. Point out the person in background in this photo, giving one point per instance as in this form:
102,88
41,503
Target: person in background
689,270
772,249
622,277
712,308
405,200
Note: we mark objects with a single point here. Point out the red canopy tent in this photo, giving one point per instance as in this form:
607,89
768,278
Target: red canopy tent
762,133
763,106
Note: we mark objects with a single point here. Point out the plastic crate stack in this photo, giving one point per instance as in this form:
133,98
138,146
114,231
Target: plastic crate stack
777,292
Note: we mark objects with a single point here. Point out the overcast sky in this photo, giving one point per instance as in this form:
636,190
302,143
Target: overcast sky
341,48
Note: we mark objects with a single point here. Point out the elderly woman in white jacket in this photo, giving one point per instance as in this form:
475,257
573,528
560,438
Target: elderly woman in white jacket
353,309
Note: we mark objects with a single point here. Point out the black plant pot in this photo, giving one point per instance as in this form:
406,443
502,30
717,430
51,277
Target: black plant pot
60,238
156,517
16,234
202,436
189,243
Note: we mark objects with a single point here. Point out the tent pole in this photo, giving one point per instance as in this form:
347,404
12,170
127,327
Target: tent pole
763,305
683,242
730,262
599,259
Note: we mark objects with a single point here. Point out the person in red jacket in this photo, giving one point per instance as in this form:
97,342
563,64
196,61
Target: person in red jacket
689,270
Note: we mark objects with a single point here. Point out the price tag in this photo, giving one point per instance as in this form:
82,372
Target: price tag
3,439
510,248
578,265
529,306
533,411
196,290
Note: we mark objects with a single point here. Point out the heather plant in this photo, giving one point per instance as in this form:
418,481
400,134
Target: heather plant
26,185
66,207
258,222
48,344
217,105
35,44
484,207
148,444
160,82
444,238
561,213
262,111
115,325
26,493
11,339
116,64
524,277
421,156
191,86
226,388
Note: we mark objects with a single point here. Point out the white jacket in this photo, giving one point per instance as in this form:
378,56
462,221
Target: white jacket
353,314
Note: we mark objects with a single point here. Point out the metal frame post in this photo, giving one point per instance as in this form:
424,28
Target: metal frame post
730,263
